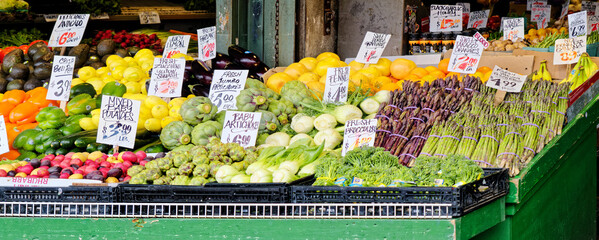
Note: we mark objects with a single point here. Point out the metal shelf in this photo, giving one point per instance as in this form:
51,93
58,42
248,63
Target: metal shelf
225,210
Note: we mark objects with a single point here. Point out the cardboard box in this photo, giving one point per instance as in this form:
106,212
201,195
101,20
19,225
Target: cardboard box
506,60
556,71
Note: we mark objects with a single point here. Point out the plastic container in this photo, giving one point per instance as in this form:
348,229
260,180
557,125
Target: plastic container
58,194
276,193
463,199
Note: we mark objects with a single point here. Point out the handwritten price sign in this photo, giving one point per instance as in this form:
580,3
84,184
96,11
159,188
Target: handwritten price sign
207,43
167,77
68,30
593,26
225,87
478,19
589,7
118,121
358,133
540,12
568,51
336,87
577,24
513,28
465,55
60,80
505,80
176,44
3,136
372,47
532,3
446,18
241,128
150,17
564,9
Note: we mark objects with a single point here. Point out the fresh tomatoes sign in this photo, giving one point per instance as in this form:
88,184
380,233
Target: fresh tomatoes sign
68,30
446,18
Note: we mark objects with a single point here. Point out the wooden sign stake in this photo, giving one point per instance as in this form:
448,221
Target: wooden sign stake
115,149
63,104
499,96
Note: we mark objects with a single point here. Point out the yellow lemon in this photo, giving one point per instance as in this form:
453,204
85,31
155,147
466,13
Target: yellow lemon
165,121
96,120
152,101
143,52
146,66
133,87
323,66
160,111
153,125
176,102
138,97
98,85
323,79
371,72
112,58
96,112
324,55
115,63
356,66
108,79
103,71
117,72
308,77
277,80
358,79
383,66
343,64
87,124
295,70
145,113
309,63
317,88
86,72
133,74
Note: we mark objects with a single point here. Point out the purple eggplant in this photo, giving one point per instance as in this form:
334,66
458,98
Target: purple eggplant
201,90
245,58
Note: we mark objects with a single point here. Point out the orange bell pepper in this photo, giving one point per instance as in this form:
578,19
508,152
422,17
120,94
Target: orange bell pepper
14,96
10,155
5,108
23,113
37,96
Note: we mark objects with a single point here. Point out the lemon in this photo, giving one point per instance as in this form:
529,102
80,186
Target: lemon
176,102
308,77
174,112
144,59
128,95
87,124
356,66
133,74
190,96
112,58
160,111
129,59
323,79
309,63
98,85
343,64
117,72
144,91
295,70
133,64
153,125
181,55
324,55
141,124
358,78
152,101
86,72
371,72
96,112
116,63
146,66
138,97
96,120
103,71
145,113
107,79
165,121
324,65
133,87
143,52
76,81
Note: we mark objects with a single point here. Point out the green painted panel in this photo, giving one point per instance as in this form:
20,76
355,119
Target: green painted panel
479,221
286,32
256,27
269,33
224,25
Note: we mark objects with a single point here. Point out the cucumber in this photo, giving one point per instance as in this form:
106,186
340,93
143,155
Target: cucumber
104,148
67,143
92,147
49,151
62,151
84,141
55,144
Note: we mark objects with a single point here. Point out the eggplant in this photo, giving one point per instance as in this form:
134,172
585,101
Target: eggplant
223,61
201,90
201,72
243,57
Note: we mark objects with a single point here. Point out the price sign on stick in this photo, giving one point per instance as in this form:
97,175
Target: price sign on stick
478,19
505,80
68,30
569,50
336,87
150,17
479,37
241,128
118,121
358,133
540,12
446,18
372,47
577,24
3,136
176,44
531,3
465,55
589,7
225,87
207,43
513,28
60,80
167,77
593,24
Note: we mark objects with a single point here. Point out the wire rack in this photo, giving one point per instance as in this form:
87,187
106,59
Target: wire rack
225,210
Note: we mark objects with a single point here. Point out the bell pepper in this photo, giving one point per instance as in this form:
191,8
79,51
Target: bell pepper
6,51
14,96
51,117
10,155
23,113
81,104
5,108
44,138
70,129
22,138
114,89
37,96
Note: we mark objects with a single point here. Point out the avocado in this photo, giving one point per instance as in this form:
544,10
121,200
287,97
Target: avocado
38,53
97,65
31,84
38,46
9,78
80,52
104,58
92,59
133,50
15,84
105,47
10,59
122,53
3,84
19,70
43,71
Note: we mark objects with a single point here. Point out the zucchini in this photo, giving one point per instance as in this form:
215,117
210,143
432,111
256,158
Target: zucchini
84,141
67,143
62,151
104,148
92,147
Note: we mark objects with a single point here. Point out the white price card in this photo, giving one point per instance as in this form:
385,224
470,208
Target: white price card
564,11
149,17
167,77
531,3
513,28
593,24
241,128
50,17
569,50
478,19
505,80
465,55
336,87
445,18
207,43
465,7
118,121
59,87
68,30
358,133
101,16
479,37
577,24
3,136
372,47
225,87
176,44
540,12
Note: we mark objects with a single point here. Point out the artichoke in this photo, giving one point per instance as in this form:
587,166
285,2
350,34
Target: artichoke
202,170
214,166
186,168
200,159
180,180
138,179
181,159
164,180
198,181
236,152
268,122
198,150
175,134
283,109
153,174
172,173
197,110
135,169
297,93
249,100
201,133
164,163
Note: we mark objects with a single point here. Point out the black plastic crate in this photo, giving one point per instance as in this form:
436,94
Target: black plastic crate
198,194
58,194
463,199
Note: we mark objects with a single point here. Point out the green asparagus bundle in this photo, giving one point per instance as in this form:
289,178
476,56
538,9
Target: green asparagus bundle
531,129
511,150
468,141
449,140
486,149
